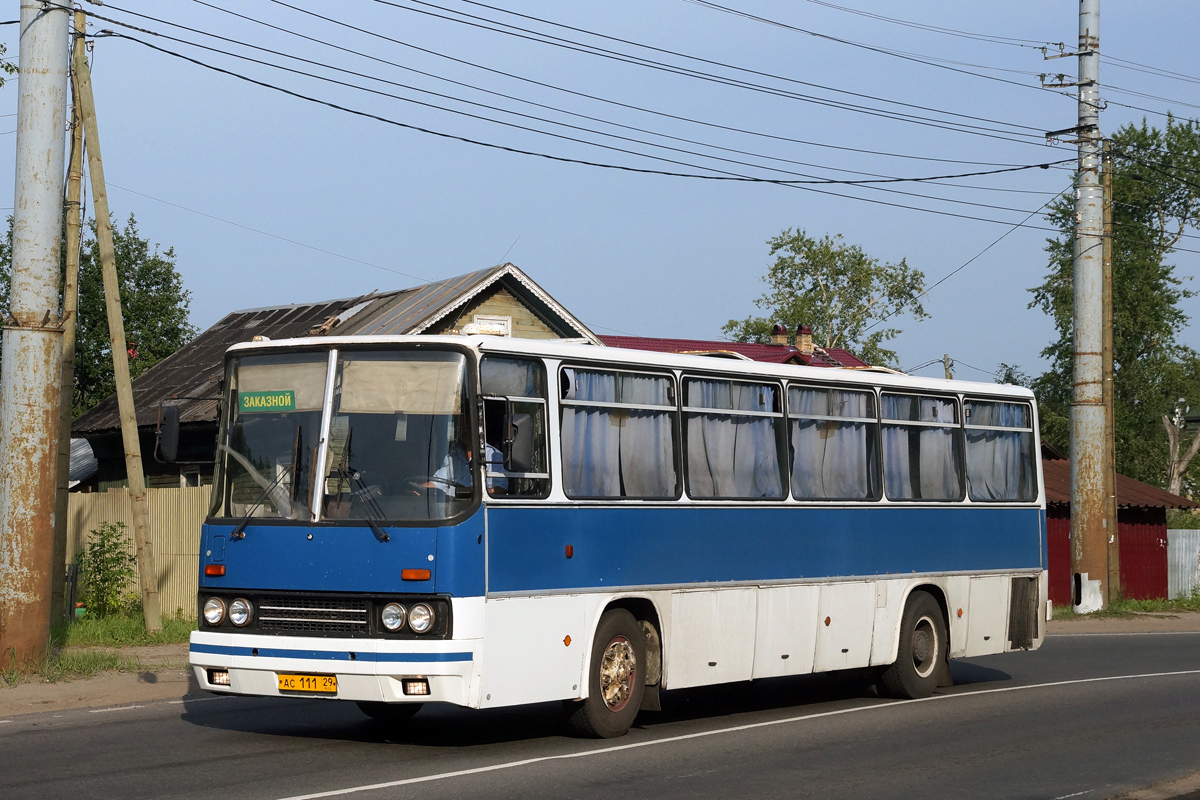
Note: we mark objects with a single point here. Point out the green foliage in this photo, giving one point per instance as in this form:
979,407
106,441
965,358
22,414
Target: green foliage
105,571
1154,206
154,307
838,290
1126,607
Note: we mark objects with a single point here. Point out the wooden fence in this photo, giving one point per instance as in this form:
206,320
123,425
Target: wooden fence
175,519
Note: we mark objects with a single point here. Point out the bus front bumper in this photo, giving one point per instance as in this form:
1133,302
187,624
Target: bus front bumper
371,670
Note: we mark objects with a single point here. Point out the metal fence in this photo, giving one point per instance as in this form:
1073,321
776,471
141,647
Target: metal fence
1183,562
175,519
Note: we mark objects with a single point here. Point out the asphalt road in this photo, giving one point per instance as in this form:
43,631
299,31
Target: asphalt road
1086,716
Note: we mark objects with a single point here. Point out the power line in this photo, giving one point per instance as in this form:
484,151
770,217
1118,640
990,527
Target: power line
876,178
867,183
584,95
563,159
737,83
268,233
881,50
983,37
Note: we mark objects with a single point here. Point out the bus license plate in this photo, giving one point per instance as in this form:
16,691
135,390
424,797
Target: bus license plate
319,684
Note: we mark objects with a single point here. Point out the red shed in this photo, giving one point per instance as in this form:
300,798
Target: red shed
1141,527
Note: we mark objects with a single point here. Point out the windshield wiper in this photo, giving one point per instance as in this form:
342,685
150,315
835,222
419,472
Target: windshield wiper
239,532
347,473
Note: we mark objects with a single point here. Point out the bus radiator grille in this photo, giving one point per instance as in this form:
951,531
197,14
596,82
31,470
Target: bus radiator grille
312,615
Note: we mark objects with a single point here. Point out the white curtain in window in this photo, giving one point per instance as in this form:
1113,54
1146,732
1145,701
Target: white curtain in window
999,463
729,455
831,459
646,445
591,442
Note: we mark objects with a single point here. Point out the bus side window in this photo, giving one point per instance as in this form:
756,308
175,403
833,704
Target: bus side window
922,447
733,433
618,434
1000,451
514,425
835,441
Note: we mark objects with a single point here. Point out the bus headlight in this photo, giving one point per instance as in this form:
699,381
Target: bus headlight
392,616
240,611
214,611
420,618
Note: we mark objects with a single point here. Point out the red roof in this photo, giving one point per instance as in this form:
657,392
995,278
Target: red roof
772,353
1130,493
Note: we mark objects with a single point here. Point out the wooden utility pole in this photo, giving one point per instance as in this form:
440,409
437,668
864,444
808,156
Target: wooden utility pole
147,571
69,310
1110,424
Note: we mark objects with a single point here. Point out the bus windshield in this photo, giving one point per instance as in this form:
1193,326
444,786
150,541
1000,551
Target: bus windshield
398,446
267,448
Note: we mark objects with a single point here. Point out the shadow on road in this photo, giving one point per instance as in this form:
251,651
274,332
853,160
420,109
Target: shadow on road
439,725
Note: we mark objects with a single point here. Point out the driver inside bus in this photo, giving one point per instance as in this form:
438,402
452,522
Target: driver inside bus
456,470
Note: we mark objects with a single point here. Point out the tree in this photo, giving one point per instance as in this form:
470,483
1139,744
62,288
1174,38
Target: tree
154,306
838,290
1156,189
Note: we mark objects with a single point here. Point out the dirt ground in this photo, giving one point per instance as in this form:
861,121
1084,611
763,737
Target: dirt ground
165,677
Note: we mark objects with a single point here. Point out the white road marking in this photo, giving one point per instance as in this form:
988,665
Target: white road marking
1125,633
114,708
732,729
1077,794
5,721
196,700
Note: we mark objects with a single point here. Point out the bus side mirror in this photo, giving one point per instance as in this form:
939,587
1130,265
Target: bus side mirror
168,435
518,442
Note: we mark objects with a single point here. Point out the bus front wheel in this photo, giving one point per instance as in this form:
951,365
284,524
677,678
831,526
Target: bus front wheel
616,679
922,650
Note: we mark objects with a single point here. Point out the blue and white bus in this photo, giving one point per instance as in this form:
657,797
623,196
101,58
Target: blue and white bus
488,521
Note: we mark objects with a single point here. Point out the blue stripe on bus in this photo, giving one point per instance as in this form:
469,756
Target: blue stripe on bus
616,547
330,655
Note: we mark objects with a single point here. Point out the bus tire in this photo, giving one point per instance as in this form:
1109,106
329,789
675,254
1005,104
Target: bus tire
616,679
389,713
922,650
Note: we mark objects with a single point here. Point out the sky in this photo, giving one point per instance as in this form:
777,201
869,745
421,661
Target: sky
269,198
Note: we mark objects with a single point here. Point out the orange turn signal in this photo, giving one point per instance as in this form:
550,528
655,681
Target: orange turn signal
214,570
414,574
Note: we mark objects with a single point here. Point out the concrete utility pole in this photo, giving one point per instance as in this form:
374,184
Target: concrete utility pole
1089,540
1110,421
947,363
69,310
147,571
32,345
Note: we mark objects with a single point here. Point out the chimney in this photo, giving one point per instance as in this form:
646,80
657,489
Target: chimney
779,335
804,340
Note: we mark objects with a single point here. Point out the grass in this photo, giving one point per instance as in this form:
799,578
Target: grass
120,631
1125,607
69,661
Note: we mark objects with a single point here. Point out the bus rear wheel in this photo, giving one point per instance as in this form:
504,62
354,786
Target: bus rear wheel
922,650
389,713
616,679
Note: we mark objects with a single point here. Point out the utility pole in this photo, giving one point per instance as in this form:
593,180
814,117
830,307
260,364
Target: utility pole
147,571
947,363
1089,542
32,346
69,310
1110,424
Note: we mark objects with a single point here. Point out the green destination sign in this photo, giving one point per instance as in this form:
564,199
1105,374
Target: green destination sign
250,402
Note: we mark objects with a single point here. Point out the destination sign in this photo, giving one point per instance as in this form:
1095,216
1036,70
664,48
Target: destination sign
252,402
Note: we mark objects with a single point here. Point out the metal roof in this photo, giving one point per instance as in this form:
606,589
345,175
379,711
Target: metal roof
772,353
1130,493
189,377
